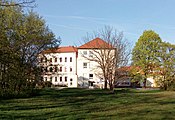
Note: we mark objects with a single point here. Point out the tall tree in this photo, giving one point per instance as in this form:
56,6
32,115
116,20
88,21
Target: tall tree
167,68
109,56
146,53
22,37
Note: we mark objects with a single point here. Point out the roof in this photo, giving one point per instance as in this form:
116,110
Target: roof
65,49
129,68
95,43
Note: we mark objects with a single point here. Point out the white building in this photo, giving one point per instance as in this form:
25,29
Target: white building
69,66
59,66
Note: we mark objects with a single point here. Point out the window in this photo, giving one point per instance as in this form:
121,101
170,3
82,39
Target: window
65,79
71,81
56,69
51,69
46,69
65,69
90,54
84,52
50,59
60,59
55,59
50,79
84,65
60,79
70,69
45,78
70,59
55,79
90,76
41,60
90,83
65,59
60,69
46,60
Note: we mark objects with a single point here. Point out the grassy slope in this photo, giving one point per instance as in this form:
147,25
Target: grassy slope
91,104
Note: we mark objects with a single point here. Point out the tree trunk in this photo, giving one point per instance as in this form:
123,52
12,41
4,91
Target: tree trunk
144,83
111,87
106,84
165,86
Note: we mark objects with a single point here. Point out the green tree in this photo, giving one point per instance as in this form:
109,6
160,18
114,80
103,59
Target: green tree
167,69
146,53
22,37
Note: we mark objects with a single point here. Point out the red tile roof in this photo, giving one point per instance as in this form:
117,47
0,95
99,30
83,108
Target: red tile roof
95,43
129,68
65,49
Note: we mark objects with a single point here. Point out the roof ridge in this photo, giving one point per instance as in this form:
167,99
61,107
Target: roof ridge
95,43
62,49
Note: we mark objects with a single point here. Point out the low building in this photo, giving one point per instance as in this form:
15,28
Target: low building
125,78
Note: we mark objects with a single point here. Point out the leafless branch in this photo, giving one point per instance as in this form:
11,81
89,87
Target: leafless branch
20,3
109,56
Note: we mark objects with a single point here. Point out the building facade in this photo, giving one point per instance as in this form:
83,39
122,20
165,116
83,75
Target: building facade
59,66
70,66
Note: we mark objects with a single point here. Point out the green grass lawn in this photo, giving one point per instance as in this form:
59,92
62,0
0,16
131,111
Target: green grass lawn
124,104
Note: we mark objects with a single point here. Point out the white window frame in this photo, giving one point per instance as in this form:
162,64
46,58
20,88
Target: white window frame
56,80
90,54
85,66
90,76
85,53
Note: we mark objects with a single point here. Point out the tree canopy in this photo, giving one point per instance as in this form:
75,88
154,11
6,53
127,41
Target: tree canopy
167,67
146,53
22,37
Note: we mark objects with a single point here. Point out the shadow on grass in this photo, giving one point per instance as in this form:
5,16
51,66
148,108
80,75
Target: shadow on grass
75,103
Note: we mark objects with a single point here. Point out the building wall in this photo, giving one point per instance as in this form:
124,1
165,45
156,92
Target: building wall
85,73
88,71
68,75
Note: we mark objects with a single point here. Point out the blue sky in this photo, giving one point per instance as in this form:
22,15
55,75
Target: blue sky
72,19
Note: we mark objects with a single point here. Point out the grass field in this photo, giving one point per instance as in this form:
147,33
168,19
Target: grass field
124,104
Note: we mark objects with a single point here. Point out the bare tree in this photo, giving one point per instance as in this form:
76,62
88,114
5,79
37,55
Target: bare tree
21,3
109,55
